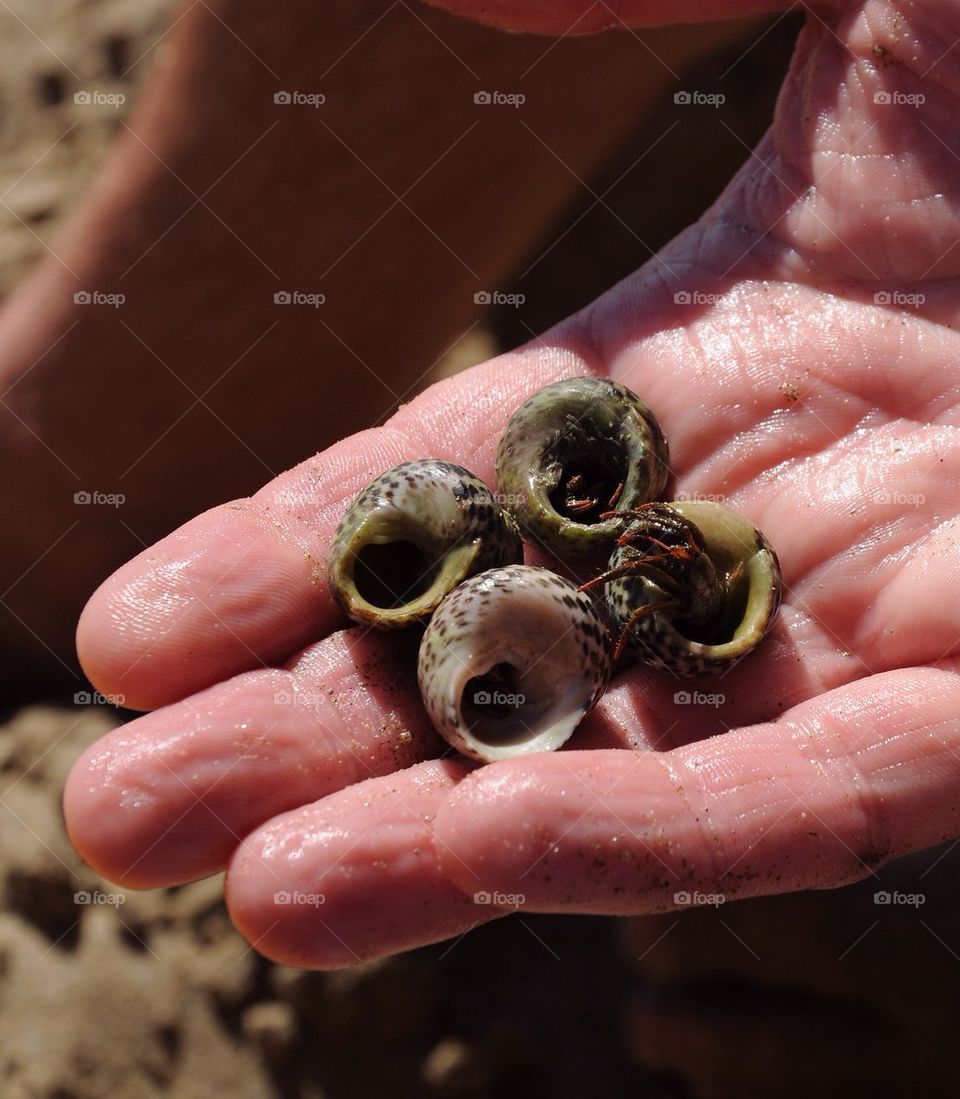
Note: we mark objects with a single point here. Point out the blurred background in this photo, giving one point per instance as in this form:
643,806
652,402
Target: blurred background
145,156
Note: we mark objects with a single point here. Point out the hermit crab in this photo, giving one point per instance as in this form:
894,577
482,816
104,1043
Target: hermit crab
512,661
411,536
573,457
691,587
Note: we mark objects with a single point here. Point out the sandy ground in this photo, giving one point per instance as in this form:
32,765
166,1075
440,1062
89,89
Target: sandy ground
55,56
104,993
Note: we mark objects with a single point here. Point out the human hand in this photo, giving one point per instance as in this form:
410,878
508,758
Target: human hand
796,345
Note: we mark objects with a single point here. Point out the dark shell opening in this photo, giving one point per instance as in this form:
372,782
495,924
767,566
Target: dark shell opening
587,488
390,575
502,707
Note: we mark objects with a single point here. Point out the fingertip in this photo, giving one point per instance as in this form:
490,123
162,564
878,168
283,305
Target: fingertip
353,877
102,836
224,593
285,924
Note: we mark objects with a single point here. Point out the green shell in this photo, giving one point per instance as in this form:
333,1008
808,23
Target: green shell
592,425
730,594
413,535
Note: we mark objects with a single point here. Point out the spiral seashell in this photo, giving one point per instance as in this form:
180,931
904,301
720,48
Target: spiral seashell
574,451
692,587
413,535
512,661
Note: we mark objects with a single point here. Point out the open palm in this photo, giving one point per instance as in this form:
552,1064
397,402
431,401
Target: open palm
797,346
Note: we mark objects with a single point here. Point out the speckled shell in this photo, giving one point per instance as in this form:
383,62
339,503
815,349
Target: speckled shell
588,419
551,637
746,608
445,512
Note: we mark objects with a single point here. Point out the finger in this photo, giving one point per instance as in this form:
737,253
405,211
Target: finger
587,16
167,798
352,877
245,584
819,798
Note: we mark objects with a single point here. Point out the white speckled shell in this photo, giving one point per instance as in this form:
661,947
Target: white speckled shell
549,633
442,508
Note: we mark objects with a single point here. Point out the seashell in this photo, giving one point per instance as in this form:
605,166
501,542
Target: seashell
692,587
412,536
574,451
512,661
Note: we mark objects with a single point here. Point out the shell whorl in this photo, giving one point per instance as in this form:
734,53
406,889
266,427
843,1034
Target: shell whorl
512,661
411,536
